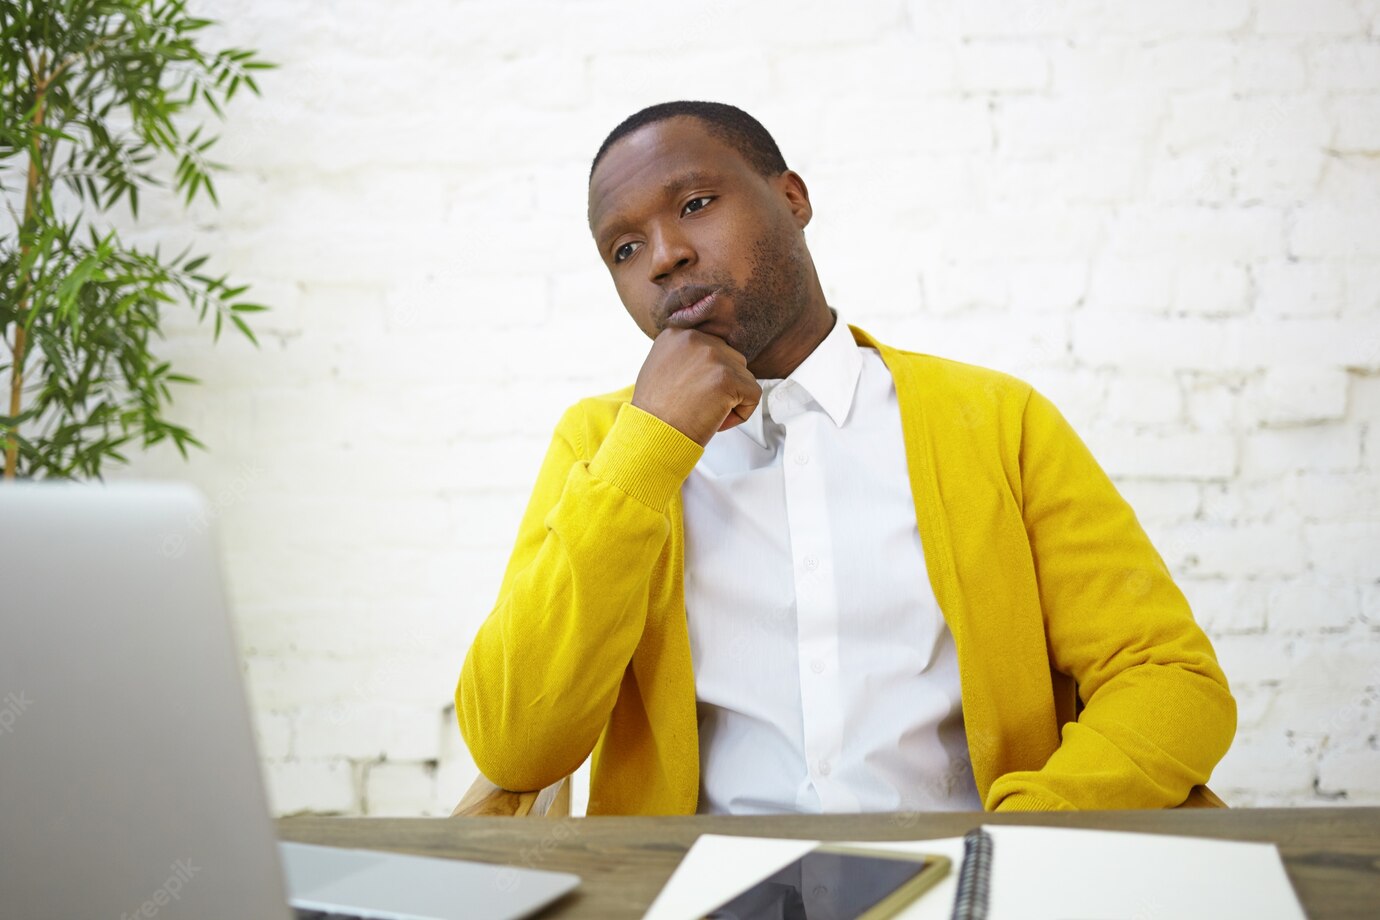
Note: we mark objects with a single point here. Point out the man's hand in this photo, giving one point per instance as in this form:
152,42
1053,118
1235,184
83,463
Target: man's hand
696,383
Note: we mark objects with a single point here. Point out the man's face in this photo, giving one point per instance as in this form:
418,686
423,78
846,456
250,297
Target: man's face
678,214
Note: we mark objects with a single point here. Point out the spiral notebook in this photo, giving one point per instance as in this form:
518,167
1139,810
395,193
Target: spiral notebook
1015,872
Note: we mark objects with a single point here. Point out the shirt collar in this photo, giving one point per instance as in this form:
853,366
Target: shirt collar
829,375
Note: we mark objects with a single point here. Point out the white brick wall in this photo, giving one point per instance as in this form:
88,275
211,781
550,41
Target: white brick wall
1167,216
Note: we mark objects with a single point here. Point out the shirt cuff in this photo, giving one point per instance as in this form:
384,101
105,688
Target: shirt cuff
645,457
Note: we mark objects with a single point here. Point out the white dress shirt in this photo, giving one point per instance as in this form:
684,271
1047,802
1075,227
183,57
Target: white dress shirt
825,676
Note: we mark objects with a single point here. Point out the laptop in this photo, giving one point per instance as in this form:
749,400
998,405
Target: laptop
129,782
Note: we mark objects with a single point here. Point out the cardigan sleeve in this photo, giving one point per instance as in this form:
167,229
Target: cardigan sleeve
1157,712
542,675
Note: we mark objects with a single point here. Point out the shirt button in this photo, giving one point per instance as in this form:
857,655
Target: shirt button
801,457
824,768
817,666
811,562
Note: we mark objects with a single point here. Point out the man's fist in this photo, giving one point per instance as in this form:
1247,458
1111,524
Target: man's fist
696,383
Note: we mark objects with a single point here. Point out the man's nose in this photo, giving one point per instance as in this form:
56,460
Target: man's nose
670,250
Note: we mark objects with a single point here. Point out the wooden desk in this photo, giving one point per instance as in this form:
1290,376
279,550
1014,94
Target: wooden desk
1332,854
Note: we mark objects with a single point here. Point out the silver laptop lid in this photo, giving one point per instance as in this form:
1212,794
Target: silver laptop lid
129,784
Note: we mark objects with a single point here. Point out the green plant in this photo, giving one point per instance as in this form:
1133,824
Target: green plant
92,96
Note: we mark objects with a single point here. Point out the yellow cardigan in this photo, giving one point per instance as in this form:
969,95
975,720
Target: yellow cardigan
1085,681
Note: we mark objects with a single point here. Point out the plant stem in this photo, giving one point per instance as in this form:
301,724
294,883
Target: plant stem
20,336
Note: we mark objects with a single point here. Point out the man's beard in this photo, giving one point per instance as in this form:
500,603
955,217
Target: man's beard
773,298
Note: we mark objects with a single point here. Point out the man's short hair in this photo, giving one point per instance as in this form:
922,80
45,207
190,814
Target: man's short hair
728,123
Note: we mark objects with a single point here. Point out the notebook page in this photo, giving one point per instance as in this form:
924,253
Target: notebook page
1043,873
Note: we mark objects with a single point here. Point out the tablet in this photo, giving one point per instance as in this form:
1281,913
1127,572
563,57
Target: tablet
837,882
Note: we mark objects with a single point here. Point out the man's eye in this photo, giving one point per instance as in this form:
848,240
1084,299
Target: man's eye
616,257
693,200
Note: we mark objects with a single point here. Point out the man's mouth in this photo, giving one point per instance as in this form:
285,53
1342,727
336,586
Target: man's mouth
688,316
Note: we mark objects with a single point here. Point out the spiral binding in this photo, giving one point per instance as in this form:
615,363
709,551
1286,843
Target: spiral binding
975,878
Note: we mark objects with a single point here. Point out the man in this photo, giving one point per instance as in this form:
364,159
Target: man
795,569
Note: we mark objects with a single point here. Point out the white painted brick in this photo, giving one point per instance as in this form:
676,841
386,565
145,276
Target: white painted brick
1245,502
891,291
1247,127
1176,63
315,786
1160,502
1347,548
1139,284
1337,496
1347,663
739,72
1208,550
445,300
1167,456
1345,66
1144,399
996,18
1365,399
1021,232
364,726
1188,232
1025,125
404,790
1300,394
1280,178
1353,773
1188,63
1323,230
272,735
1269,453
1002,67
1286,17
283,683
1046,285
903,63
1311,603
1349,342
311,626
1252,659
1357,120
1211,289
1252,706
1079,393
1370,604
1101,174
1267,762
1345,178
1362,290
1202,176
943,125
1133,342
1223,606
931,181
952,287
1289,289
1177,16
1268,66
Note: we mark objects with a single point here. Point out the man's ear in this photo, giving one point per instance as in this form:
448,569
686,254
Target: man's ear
797,196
